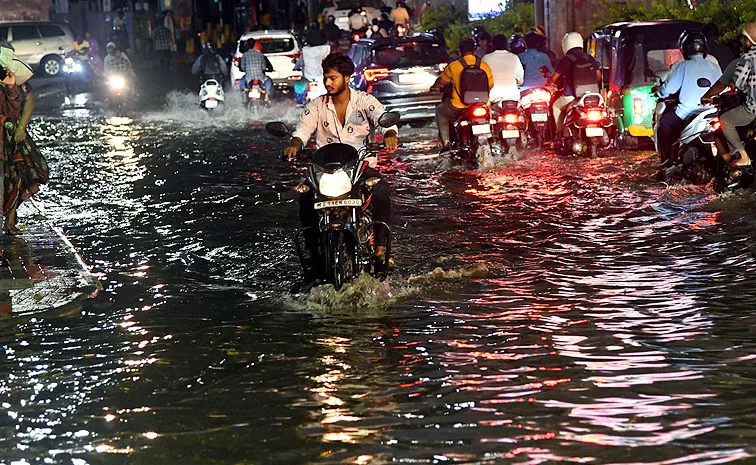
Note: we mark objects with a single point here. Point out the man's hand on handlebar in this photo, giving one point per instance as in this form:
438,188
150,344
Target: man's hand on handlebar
707,100
391,140
291,150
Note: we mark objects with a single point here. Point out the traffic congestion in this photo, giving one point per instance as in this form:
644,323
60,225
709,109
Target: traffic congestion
342,241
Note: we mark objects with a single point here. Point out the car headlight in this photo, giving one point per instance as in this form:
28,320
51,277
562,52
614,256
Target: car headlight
117,82
335,184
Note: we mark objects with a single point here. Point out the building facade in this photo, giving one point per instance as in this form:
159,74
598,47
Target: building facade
25,10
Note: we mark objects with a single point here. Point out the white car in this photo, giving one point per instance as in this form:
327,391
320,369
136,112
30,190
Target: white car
344,8
281,48
39,44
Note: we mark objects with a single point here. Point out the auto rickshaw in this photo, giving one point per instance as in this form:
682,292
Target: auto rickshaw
633,56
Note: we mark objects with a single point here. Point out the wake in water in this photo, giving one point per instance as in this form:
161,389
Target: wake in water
184,107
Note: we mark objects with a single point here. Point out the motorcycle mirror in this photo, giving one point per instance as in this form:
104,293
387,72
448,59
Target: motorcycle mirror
277,129
703,83
388,119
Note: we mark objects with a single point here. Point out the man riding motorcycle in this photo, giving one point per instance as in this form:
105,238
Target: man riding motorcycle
209,65
506,69
534,61
450,109
684,79
344,115
742,74
578,73
309,63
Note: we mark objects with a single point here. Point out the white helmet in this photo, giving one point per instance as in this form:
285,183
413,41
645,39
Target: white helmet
571,40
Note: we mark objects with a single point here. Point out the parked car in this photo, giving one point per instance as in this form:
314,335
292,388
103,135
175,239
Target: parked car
40,44
280,47
633,56
399,72
343,9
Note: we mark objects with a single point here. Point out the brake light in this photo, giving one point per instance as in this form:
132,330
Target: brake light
479,111
442,66
595,115
637,106
294,78
510,118
356,38
255,82
373,74
237,62
716,124
294,56
312,87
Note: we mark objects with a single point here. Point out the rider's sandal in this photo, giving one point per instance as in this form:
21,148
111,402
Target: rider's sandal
738,171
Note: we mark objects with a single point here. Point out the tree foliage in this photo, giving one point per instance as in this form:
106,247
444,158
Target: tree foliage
729,16
518,17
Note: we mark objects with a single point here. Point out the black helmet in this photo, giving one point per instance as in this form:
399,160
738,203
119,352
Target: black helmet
517,44
477,32
693,42
535,40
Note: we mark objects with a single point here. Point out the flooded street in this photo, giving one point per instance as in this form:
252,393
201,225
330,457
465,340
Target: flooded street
541,311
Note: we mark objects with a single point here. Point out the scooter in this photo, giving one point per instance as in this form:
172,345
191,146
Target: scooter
77,73
119,93
535,104
471,134
587,127
211,95
509,127
342,195
255,96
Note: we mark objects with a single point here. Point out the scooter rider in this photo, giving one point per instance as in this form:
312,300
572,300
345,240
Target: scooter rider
450,109
346,116
506,69
209,65
534,61
744,79
579,73
685,80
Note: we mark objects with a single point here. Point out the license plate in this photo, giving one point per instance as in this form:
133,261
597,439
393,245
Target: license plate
539,117
338,203
254,93
481,129
510,134
412,78
212,103
594,132
343,19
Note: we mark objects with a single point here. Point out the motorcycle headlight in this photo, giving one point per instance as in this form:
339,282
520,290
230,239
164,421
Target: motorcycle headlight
117,82
69,61
77,67
335,184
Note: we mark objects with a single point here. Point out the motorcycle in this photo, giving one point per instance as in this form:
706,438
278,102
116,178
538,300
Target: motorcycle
695,157
255,96
342,195
471,134
509,127
587,126
118,93
211,95
77,72
535,104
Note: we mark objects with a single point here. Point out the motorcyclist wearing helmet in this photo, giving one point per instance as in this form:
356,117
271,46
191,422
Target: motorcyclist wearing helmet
565,73
449,110
685,78
209,65
742,74
507,71
534,62
517,44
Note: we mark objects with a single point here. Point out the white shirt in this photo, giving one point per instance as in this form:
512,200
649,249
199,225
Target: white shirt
313,59
319,117
357,21
508,75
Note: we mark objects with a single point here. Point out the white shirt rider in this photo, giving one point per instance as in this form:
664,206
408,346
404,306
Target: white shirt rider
508,75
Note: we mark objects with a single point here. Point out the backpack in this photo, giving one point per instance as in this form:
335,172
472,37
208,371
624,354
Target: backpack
473,83
211,67
583,75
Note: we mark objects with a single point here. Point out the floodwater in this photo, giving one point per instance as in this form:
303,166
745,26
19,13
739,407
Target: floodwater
545,310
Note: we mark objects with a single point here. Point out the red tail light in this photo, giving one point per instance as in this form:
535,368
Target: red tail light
442,66
716,124
356,38
237,61
372,75
255,82
294,56
480,111
510,118
312,87
595,115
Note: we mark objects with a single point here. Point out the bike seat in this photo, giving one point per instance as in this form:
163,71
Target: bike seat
333,156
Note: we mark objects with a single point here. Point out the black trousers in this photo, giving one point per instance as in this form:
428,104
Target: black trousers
380,206
670,128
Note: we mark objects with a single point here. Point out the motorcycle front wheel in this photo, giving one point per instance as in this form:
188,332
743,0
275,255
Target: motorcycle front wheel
342,258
